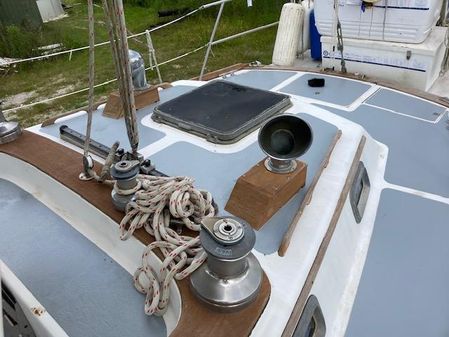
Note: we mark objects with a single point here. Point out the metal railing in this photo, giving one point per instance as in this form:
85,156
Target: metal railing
153,63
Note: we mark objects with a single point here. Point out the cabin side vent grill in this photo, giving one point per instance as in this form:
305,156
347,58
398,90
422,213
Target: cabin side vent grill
15,323
311,323
359,193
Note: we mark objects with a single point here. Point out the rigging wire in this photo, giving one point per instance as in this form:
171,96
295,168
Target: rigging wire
338,35
90,10
115,19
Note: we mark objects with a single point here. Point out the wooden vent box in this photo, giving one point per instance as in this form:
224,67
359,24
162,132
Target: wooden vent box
259,193
143,98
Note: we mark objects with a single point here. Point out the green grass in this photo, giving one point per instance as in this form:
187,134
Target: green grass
58,75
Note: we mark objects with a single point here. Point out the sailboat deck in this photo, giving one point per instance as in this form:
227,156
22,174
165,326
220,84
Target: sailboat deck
415,189
87,292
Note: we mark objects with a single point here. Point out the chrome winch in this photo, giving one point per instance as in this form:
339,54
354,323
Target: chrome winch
138,70
9,131
232,276
125,173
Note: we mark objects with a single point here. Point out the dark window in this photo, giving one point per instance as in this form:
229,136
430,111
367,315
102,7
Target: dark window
15,323
311,323
359,192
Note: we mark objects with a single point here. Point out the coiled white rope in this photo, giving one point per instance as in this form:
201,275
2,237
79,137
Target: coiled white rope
158,201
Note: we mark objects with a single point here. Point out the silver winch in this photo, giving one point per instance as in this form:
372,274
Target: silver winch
138,70
9,131
232,276
125,173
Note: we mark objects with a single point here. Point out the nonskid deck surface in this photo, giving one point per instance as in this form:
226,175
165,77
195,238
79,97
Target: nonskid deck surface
418,149
261,79
336,91
82,288
404,287
406,105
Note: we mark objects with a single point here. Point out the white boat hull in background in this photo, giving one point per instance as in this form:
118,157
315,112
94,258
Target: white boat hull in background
395,20
411,65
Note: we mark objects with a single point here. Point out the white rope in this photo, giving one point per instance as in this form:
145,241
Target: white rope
158,201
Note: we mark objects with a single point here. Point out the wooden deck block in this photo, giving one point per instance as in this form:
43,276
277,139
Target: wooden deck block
143,98
259,193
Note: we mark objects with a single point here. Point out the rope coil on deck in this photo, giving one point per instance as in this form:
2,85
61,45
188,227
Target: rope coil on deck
156,204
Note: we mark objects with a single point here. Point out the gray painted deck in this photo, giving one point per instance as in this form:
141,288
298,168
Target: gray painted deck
418,151
87,293
260,79
404,290
406,104
218,173
336,90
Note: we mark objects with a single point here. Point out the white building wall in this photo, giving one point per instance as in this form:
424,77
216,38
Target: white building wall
50,9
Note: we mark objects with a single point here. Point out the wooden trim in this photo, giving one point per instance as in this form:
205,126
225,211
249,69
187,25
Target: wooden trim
221,72
444,101
302,299
258,193
308,197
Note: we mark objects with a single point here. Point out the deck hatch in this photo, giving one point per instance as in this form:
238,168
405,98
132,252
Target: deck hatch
359,192
221,111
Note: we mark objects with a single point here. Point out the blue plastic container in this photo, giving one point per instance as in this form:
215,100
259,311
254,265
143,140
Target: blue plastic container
315,43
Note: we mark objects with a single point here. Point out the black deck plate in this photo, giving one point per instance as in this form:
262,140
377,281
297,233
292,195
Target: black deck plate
221,111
